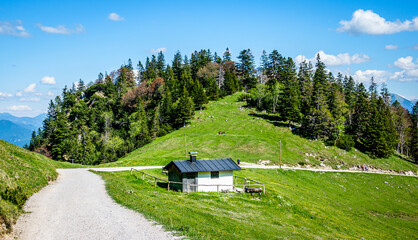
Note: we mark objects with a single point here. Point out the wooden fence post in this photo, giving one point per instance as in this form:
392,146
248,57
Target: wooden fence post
217,189
264,189
143,176
155,182
168,186
245,183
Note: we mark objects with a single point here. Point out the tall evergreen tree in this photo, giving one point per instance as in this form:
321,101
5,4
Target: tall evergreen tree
183,108
360,118
379,139
413,145
290,97
227,55
177,65
160,65
246,68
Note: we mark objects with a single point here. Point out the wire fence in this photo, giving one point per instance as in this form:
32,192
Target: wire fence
246,185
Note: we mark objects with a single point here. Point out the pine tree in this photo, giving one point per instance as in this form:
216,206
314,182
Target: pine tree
290,97
229,83
413,145
155,128
379,139
275,65
199,95
305,86
348,87
318,123
246,69
160,65
213,90
177,65
360,117
183,108
227,55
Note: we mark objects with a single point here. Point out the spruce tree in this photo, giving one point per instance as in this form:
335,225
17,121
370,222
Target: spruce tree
227,55
213,90
290,97
379,139
413,145
360,118
177,65
229,83
199,95
183,108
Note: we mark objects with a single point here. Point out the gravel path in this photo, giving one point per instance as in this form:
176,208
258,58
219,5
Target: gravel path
76,206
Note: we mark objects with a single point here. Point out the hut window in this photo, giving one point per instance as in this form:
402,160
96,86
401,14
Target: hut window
214,174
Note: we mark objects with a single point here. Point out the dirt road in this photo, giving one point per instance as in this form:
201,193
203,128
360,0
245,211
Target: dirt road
77,206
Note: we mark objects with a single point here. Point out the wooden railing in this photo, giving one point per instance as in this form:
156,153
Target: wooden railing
245,186
248,183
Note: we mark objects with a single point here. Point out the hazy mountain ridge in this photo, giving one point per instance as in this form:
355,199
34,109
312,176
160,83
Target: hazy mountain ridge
18,130
406,103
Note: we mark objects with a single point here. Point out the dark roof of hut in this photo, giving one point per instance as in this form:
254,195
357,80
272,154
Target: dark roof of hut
204,165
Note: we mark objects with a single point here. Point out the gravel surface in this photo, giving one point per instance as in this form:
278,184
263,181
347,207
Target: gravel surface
77,206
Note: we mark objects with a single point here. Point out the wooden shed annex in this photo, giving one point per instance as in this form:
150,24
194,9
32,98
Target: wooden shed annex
206,175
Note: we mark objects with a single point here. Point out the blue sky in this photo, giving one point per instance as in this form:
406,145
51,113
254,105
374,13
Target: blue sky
45,45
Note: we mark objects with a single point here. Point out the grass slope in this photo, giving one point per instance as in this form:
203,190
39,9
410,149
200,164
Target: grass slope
22,173
297,205
251,137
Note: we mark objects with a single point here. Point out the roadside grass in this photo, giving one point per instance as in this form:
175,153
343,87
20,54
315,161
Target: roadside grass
22,173
249,136
297,205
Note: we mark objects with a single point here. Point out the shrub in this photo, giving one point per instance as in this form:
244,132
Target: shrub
345,142
15,196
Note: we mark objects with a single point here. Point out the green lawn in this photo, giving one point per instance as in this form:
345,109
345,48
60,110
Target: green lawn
251,137
297,205
22,173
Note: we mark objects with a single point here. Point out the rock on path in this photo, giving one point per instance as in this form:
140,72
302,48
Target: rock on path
77,206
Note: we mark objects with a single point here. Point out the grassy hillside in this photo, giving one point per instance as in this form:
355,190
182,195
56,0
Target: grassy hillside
250,136
297,205
22,173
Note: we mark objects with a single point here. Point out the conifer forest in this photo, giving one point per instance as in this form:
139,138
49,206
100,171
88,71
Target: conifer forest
120,111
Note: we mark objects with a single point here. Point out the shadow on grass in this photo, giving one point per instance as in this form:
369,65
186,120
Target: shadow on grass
278,122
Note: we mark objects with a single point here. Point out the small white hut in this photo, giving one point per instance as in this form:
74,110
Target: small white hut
206,175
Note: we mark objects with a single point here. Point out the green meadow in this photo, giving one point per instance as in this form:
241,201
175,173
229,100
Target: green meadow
297,205
249,136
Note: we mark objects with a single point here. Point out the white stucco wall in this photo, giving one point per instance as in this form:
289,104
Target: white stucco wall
225,178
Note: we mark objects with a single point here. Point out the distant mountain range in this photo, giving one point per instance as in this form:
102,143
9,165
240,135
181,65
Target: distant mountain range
407,104
18,130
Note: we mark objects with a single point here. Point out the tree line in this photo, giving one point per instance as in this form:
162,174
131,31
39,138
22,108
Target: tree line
126,109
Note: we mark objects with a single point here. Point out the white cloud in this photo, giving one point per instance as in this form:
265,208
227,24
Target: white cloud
391,47
61,29
163,49
4,94
30,88
415,47
368,22
365,76
19,108
30,99
13,29
19,94
406,63
336,60
50,94
409,69
48,80
115,17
